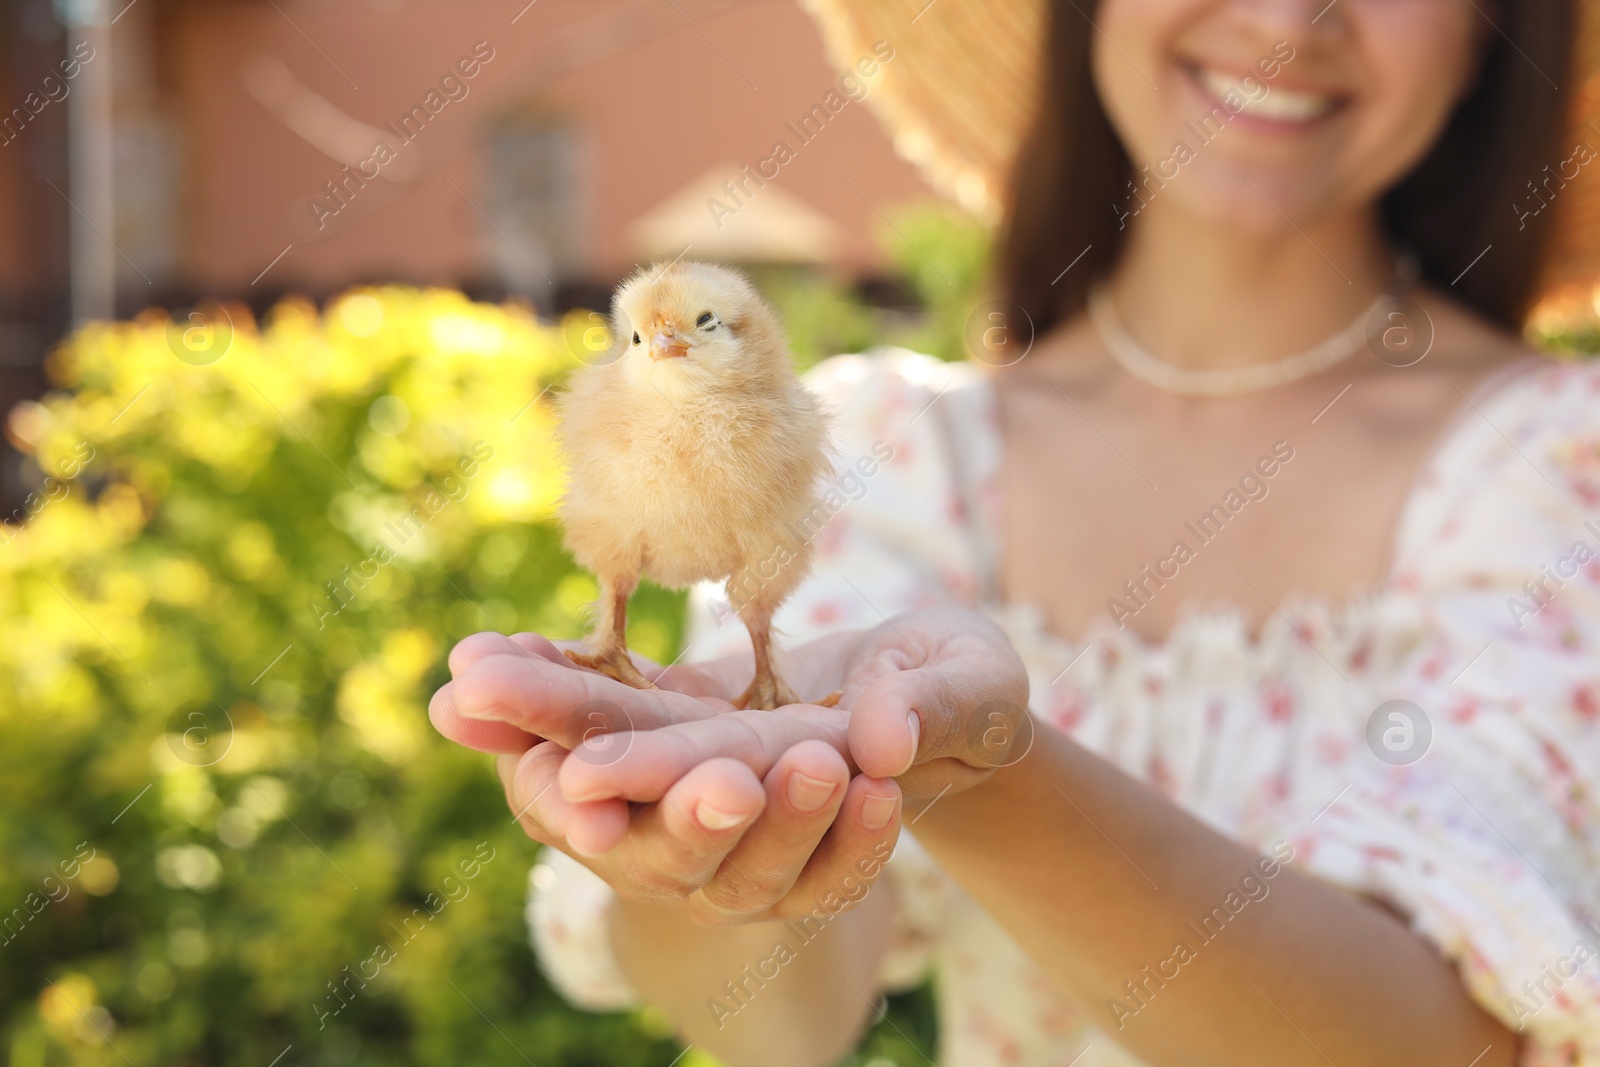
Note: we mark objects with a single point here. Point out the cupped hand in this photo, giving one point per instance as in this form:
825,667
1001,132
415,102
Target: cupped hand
762,835
936,699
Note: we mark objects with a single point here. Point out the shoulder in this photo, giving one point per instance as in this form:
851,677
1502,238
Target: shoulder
1539,415
1551,396
1515,483
1508,398
1515,473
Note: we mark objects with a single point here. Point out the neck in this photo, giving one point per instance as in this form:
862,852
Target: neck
1259,296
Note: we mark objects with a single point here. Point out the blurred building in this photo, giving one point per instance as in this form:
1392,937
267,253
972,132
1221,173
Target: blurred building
157,151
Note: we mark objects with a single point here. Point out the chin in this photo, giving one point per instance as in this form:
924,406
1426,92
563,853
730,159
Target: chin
1268,199
1248,199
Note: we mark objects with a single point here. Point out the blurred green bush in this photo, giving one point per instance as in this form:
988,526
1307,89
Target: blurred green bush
219,629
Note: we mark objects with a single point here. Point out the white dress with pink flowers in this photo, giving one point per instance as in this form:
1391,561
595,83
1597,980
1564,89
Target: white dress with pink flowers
1489,843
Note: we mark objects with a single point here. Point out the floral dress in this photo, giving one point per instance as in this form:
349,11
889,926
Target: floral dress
1433,743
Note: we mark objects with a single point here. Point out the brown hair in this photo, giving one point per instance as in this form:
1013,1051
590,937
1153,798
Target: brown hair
1072,171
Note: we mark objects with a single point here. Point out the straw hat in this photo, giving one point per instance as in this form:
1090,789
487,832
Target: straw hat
959,93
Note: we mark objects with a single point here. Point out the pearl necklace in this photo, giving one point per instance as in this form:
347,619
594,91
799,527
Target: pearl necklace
1251,378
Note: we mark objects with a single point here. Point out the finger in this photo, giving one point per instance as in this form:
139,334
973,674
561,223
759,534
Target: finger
536,804
474,733
481,645
524,777
895,716
563,702
852,855
471,649
965,709
675,846
641,765
714,680
804,791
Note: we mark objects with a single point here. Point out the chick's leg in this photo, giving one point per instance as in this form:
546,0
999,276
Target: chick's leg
757,599
767,690
609,638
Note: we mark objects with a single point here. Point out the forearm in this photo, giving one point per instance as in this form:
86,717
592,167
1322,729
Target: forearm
1103,879
729,990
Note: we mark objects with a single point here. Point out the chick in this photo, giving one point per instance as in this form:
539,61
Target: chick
693,453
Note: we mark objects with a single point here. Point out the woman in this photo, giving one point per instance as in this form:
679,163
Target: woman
1277,528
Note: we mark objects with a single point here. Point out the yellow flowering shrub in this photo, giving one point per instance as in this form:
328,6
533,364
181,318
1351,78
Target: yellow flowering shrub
251,548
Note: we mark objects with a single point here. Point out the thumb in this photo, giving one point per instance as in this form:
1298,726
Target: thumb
918,716
899,719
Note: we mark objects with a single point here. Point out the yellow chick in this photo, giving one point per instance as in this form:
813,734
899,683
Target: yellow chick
693,453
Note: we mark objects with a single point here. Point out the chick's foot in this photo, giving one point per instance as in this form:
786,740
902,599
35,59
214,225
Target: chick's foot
768,692
614,664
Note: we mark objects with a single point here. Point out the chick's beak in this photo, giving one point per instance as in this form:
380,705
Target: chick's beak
667,346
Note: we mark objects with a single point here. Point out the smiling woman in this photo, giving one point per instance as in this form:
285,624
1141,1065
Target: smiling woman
1335,683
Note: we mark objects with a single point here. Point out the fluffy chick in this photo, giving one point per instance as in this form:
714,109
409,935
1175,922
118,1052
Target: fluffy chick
693,452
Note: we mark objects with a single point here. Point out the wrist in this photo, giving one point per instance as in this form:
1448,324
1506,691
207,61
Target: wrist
1019,784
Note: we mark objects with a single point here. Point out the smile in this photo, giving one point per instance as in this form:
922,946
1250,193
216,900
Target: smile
1275,104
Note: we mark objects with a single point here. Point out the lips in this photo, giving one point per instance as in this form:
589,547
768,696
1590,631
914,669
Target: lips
1275,105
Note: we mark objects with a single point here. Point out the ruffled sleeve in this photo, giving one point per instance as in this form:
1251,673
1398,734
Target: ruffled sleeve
899,537
1490,841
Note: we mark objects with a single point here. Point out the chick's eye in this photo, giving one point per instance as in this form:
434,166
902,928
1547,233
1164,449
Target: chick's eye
705,317
635,336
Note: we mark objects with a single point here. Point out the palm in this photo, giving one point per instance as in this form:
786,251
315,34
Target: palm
952,668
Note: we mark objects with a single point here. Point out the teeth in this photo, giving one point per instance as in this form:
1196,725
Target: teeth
1282,104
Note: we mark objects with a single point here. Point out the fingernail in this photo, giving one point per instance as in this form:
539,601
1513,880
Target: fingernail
914,721
877,811
582,851
809,794
712,819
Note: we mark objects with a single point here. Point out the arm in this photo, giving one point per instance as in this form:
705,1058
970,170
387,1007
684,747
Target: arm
710,871
1102,877
1101,882
809,1014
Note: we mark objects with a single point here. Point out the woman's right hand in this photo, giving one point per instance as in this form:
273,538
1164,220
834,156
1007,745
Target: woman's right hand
731,840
